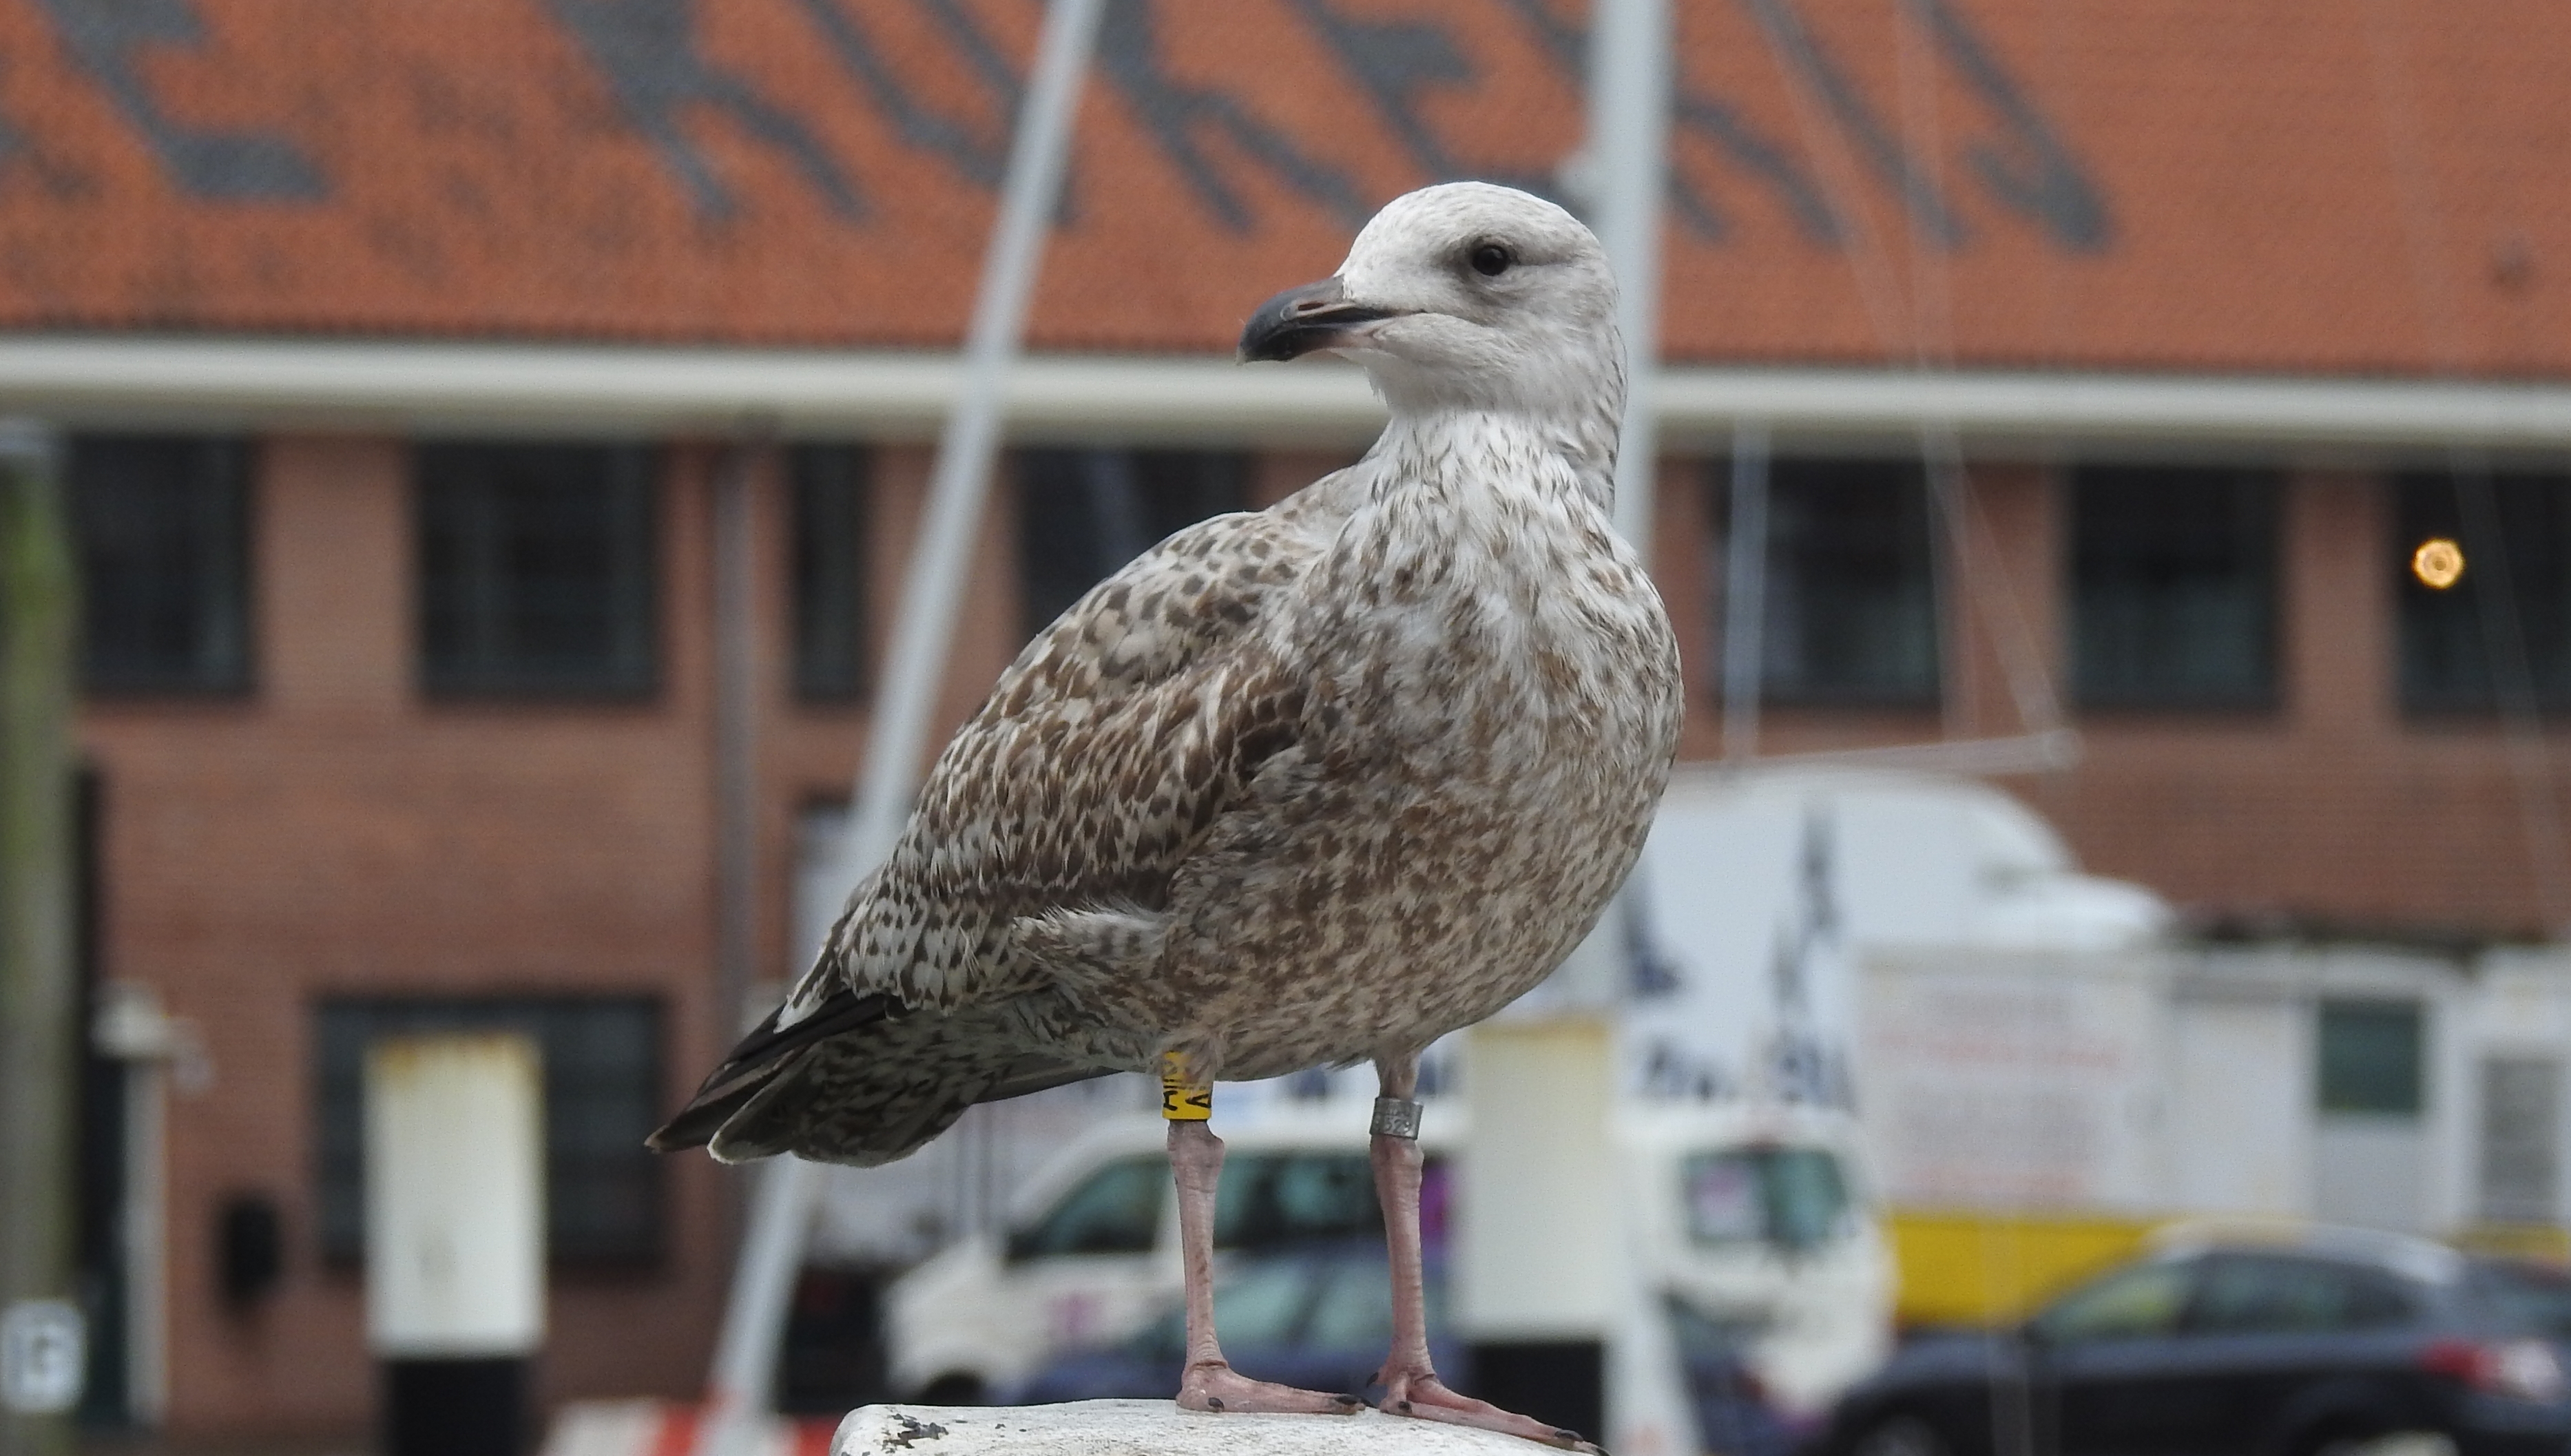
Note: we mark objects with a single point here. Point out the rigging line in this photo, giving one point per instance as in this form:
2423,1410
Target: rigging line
1991,596
1968,556
1744,585
1840,176
1991,599
2469,471
1932,349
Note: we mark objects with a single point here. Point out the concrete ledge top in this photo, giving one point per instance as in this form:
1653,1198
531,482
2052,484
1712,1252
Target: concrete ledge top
1150,1428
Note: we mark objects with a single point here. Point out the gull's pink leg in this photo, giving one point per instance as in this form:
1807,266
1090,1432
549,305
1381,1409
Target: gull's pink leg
1210,1382
1412,1386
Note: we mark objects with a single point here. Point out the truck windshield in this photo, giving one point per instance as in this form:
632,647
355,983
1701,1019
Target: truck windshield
1791,1199
1118,1210
1275,1200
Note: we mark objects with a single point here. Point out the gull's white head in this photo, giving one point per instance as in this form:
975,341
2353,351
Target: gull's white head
1464,295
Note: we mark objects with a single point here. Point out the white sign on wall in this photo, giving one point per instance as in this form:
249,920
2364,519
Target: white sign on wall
1997,1081
44,1346
455,1211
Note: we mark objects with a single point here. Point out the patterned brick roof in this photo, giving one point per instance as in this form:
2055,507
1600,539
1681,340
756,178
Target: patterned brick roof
2357,186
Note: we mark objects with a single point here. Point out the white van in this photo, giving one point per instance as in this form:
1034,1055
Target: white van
1092,1252
1758,1225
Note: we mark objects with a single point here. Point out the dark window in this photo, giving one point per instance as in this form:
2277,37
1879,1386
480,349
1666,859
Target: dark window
603,1097
1116,1211
2510,608
830,485
2371,1058
535,569
1850,613
2173,585
1082,514
162,525
2130,1304
2249,1293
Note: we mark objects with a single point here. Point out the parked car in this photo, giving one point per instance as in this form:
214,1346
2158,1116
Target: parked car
2280,1343
1320,1319
1756,1217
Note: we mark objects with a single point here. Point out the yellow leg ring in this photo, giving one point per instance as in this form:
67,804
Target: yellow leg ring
1183,1097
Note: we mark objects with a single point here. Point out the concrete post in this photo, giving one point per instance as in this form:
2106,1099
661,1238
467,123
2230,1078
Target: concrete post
41,1329
1537,1214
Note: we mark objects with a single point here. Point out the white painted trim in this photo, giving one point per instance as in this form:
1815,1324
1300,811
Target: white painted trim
427,385
2037,752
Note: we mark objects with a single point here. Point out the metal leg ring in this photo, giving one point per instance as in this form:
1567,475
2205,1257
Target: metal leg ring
1396,1117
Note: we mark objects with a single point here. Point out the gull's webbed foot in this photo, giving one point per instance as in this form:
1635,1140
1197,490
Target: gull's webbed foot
1420,1393
1213,1385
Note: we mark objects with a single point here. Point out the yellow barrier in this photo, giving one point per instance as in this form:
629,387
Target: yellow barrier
1976,1268
2545,1242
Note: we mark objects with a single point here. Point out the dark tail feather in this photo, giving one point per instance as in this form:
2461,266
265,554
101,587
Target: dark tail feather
756,1061
1039,1075
869,1099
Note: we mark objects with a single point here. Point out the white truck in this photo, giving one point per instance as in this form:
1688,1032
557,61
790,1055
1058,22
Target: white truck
1758,1222
1091,1252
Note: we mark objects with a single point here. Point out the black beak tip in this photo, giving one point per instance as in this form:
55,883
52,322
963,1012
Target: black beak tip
1273,334
1301,320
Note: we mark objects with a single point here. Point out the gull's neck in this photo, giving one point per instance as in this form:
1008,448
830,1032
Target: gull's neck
1584,440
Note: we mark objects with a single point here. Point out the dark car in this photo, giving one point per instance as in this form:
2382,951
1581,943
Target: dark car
2242,1349
1319,1319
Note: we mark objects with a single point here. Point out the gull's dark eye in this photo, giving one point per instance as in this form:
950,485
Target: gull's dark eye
1492,259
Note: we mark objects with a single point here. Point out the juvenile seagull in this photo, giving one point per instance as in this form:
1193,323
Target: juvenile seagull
1298,788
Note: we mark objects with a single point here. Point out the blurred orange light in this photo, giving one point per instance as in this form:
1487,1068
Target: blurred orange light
2438,563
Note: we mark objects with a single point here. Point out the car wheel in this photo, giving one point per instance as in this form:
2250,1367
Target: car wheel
955,1388
1900,1435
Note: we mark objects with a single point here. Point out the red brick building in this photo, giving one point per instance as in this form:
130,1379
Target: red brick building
461,395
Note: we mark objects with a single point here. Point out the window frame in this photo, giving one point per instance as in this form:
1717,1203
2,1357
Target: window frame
2429,503
1914,529
2186,1271
2335,1084
1221,480
337,1072
2396,1303
223,467
813,470
2264,519
2517,1152
1036,1239
630,671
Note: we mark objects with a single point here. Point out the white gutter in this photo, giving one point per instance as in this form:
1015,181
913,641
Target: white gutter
434,386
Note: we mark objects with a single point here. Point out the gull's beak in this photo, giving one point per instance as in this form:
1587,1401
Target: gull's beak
1299,320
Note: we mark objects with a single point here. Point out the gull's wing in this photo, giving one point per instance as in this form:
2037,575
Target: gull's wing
1100,759
1056,819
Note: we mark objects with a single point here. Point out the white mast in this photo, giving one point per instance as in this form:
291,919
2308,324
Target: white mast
745,1371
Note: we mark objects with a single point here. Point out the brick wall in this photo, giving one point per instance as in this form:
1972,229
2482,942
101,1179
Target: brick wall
334,832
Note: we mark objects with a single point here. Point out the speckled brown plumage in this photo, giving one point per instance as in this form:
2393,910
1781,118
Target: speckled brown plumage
1297,788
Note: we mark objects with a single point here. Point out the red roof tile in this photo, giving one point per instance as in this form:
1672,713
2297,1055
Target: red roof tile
2296,185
